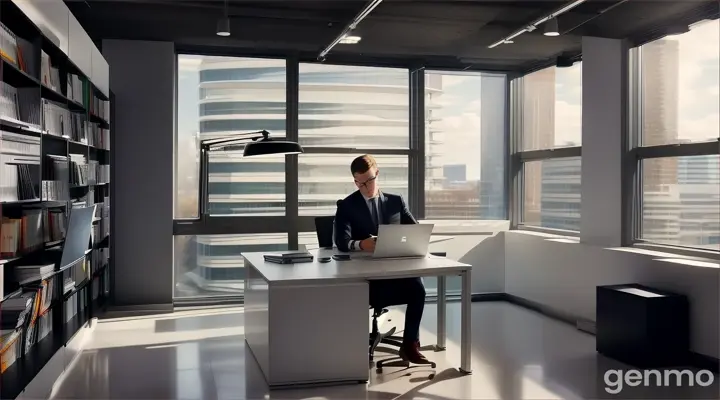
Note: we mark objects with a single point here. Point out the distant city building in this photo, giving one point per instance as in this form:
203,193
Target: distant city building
493,149
454,173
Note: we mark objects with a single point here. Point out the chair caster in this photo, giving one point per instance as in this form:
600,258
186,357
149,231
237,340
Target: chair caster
378,370
431,376
433,365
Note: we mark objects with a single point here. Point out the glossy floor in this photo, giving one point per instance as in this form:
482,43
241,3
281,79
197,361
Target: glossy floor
517,354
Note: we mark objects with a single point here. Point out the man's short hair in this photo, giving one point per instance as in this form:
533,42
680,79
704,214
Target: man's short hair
362,164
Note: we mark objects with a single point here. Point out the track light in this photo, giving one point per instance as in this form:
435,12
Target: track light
350,39
223,27
551,27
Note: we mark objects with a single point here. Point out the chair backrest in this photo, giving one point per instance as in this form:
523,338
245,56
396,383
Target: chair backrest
325,229
324,226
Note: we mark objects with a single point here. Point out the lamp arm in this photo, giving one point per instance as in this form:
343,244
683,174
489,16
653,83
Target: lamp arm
245,136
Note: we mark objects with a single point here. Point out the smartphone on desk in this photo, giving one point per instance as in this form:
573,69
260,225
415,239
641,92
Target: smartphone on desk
341,257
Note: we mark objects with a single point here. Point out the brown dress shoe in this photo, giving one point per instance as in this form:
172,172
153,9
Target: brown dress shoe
410,352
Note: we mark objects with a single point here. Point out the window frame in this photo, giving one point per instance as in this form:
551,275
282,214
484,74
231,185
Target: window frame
636,153
519,157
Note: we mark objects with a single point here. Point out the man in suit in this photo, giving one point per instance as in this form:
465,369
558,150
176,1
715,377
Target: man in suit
356,227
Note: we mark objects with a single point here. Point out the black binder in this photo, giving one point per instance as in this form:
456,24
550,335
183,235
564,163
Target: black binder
291,257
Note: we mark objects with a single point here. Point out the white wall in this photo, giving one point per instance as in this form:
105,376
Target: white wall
478,243
563,276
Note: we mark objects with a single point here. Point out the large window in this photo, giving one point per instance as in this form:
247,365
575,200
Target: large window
353,107
336,112
548,109
344,112
676,138
218,96
465,146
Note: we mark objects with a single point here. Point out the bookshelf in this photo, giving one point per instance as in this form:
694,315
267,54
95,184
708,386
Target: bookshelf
54,157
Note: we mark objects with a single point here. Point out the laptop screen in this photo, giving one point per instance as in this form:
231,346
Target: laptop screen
77,239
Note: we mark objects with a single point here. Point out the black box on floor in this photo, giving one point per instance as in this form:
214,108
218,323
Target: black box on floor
642,326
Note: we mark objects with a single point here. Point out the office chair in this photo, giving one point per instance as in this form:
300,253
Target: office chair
324,226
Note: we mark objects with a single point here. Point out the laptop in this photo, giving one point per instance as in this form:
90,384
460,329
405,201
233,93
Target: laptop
403,241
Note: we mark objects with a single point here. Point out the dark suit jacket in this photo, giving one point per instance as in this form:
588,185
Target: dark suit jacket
353,221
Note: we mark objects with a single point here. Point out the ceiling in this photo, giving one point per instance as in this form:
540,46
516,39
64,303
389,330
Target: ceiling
436,34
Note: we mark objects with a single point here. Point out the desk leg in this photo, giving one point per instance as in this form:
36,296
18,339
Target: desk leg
441,314
466,325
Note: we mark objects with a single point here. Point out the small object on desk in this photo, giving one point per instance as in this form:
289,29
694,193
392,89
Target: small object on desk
324,259
291,257
341,257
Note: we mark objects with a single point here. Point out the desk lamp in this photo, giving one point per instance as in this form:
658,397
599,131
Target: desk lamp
255,144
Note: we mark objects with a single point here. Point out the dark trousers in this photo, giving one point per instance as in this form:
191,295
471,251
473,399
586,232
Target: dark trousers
395,292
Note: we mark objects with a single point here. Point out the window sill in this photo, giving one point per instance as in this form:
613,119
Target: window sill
550,232
696,254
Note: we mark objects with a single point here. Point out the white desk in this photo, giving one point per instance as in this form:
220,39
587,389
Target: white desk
308,323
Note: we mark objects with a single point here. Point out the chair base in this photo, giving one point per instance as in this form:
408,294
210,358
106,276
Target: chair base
386,338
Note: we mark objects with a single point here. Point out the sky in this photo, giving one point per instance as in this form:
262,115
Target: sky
460,112
699,82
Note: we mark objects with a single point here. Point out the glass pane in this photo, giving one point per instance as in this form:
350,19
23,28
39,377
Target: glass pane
350,106
465,146
325,178
681,201
681,87
552,108
219,96
211,265
551,191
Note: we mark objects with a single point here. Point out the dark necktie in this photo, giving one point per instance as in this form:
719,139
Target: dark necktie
374,214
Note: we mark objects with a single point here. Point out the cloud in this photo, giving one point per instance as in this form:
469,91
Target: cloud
698,92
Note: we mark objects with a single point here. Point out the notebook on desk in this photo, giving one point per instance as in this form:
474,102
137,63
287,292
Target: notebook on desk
288,257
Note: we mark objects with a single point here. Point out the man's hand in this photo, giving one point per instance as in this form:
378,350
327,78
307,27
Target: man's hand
368,244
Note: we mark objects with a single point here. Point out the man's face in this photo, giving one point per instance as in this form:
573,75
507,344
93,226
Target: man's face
367,182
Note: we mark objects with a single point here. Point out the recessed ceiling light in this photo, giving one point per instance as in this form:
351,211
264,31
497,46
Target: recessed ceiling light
350,39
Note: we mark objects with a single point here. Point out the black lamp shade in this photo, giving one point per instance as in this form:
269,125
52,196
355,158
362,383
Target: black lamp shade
270,147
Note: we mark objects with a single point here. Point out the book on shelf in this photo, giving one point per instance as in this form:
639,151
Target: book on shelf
19,166
78,170
55,224
9,102
56,178
49,75
20,106
10,342
30,273
56,119
75,88
96,136
23,234
100,108
8,45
